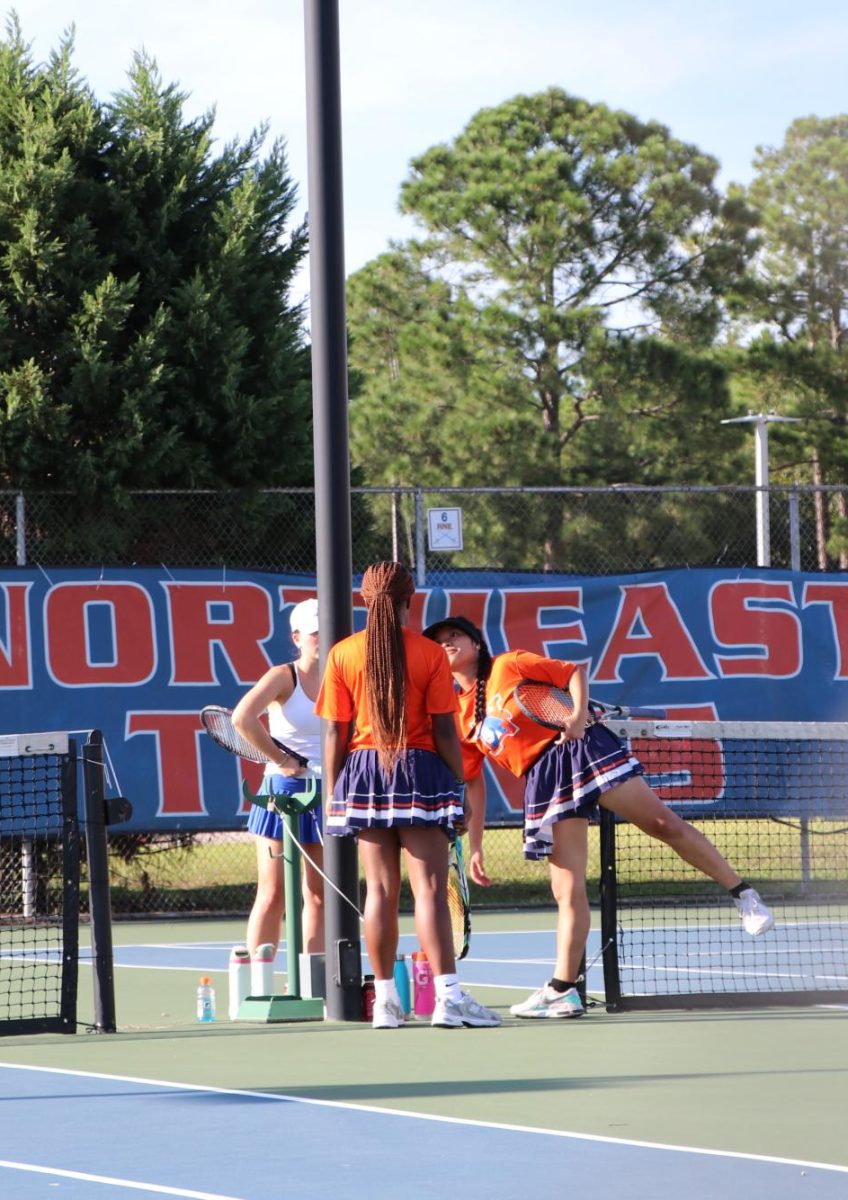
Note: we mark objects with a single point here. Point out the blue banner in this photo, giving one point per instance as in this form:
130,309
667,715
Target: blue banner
138,652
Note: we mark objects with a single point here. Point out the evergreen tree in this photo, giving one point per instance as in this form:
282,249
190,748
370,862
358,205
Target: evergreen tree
148,339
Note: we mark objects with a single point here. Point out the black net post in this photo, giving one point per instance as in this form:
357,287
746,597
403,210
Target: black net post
100,909
609,939
70,891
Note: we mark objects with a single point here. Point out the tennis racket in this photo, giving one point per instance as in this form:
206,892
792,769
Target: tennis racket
459,900
553,707
218,723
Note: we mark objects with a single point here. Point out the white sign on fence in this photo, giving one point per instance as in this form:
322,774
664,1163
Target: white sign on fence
444,527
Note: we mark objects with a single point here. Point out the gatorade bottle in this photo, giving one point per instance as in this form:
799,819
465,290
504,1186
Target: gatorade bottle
205,1000
423,984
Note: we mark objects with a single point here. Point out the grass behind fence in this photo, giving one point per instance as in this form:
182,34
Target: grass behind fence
216,873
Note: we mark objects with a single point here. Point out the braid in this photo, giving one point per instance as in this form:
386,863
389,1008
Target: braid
484,669
385,585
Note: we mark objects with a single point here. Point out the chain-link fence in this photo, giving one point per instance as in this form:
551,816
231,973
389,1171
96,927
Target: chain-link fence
586,531
583,531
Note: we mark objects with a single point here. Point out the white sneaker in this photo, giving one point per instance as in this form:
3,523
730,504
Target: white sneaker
548,1002
450,1014
756,918
387,1014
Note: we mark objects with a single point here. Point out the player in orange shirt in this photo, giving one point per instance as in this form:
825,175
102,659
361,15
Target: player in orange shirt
566,777
393,772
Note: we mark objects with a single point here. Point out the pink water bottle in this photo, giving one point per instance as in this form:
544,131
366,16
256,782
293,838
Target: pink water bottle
423,985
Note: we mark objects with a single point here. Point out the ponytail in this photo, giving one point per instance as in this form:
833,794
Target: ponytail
385,586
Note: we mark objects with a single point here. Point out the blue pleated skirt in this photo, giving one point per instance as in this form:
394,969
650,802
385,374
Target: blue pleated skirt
270,824
566,781
421,790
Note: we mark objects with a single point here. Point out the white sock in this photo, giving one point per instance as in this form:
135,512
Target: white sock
386,989
447,987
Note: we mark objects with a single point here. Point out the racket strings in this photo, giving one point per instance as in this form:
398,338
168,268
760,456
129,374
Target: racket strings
219,726
545,702
458,901
456,909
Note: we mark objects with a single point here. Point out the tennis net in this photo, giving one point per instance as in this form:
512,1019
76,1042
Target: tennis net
773,797
39,883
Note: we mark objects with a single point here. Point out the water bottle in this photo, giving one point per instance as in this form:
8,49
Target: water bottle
368,994
401,975
262,970
205,1000
238,978
424,986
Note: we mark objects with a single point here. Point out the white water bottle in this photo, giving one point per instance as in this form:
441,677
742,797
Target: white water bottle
239,979
262,970
205,1000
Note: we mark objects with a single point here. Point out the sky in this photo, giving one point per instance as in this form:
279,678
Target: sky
727,75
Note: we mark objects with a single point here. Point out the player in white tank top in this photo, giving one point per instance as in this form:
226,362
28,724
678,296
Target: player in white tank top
287,693
296,724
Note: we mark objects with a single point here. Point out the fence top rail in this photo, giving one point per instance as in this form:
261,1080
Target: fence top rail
436,490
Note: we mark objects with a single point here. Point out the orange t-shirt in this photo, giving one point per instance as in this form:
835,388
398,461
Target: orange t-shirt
429,689
506,735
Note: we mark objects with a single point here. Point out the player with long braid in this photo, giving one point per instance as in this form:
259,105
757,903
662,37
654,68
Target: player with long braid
393,772
566,777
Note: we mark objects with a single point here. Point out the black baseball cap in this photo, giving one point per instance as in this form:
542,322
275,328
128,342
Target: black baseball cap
461,623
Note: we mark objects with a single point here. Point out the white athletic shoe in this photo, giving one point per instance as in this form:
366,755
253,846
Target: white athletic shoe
450,1014
387,1014
756,918
547,1002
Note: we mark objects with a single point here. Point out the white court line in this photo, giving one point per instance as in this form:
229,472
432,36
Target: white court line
415,1116
159,1189
653,968
500,962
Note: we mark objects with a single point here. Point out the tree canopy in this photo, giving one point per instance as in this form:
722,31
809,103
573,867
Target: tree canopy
566,292
147,338
793,307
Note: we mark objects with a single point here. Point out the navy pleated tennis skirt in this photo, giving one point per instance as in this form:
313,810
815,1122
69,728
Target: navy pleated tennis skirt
566,781
421,790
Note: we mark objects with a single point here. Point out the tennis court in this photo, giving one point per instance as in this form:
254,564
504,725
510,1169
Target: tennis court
718,1103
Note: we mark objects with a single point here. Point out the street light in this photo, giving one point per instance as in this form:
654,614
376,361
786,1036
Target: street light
761,422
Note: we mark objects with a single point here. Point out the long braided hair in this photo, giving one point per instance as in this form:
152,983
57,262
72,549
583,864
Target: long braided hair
484,670
386,585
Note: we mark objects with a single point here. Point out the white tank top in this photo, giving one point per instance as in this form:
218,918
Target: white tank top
297,725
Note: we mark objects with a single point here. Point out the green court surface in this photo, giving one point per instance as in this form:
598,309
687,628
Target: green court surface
765,1082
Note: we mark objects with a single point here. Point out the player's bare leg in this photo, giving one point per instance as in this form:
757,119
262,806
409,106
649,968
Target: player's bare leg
568,884
313,900
637,803
266,916
426,854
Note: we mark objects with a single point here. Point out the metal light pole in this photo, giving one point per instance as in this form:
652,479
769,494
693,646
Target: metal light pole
332,469
761,422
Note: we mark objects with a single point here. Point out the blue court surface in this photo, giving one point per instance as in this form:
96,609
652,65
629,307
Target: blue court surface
500,959
83,1136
